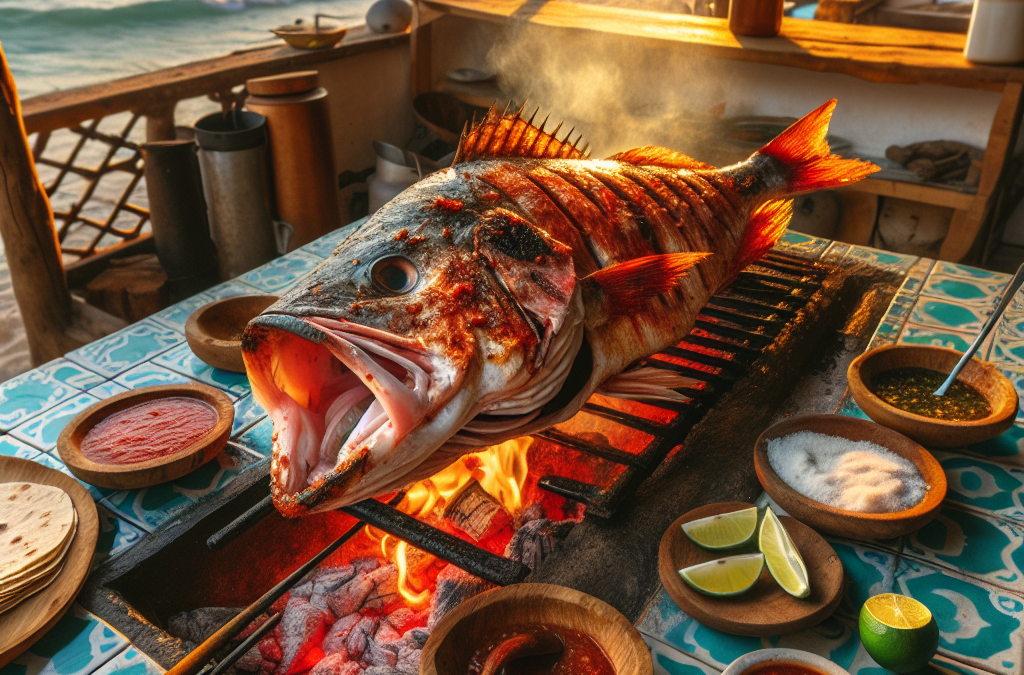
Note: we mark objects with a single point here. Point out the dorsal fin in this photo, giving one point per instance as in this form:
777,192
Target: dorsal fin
504,134
652,155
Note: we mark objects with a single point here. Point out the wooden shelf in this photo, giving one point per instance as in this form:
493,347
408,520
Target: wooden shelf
927,194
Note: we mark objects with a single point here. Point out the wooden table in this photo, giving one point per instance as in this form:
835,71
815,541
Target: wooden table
872,53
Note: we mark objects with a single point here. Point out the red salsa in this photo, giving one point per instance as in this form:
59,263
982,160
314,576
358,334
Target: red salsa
781,668
149,430
581,655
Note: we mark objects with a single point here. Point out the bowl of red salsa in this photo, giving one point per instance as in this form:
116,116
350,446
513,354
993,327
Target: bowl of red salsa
147,436
594,638
781,661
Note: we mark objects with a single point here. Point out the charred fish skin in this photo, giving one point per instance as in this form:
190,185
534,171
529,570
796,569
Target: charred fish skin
491,299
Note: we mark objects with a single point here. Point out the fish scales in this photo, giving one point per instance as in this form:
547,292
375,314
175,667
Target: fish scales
492,299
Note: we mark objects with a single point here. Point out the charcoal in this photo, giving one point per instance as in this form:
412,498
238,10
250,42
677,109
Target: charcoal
331,579
534,511
408,660
386,633
337,634
359,636
269,648
385,587
199,624
419,635
251,661
300,632
403,618
350,597
304,590
366,564
378,655
535,540
474,511
453,587
382,670
320,602
336,664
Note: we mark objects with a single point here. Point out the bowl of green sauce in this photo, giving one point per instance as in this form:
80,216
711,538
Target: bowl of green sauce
894,386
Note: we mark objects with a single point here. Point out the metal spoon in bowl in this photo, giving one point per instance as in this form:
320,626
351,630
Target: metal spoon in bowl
1004,302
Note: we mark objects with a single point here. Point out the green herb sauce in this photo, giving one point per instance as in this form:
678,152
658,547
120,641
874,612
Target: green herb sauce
911,389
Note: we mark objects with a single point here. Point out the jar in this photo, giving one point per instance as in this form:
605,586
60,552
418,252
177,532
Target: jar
996,34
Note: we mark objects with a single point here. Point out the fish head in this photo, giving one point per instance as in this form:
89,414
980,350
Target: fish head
447,303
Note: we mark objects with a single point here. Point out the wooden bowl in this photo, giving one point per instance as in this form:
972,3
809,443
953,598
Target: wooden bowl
983,376
27,621
840,522
783,656
765,609
150,472
453,641
306,36
214,331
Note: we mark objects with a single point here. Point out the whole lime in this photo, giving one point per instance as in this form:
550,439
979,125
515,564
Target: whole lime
898,632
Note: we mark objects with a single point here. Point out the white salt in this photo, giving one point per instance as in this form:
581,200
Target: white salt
850,475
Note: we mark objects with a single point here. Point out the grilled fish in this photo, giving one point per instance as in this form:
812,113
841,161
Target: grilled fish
491,299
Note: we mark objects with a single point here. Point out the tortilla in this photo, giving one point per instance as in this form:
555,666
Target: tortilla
36,521
27,577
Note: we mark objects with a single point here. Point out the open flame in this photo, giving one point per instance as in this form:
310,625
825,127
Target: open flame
500,470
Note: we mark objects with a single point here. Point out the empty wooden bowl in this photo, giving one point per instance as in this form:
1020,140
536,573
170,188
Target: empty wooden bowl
214,331
840,522
983,376
479,619
153,471
308,36
765,609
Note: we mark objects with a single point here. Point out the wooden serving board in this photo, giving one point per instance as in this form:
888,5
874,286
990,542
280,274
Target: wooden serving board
22,625
765,609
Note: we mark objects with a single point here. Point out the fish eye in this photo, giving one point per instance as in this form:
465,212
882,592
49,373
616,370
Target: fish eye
394,274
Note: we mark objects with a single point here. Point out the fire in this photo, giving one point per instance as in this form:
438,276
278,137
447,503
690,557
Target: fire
500,470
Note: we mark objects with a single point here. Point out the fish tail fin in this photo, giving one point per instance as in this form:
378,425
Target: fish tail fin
766,226
810,165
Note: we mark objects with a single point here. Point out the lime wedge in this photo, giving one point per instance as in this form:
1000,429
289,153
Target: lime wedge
898,632
782,557
726,530
725,576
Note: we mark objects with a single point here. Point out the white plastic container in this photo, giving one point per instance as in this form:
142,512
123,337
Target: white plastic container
996,34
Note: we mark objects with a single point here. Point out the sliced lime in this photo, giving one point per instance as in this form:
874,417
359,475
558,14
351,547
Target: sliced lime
782,557
726,530
725,576
898,632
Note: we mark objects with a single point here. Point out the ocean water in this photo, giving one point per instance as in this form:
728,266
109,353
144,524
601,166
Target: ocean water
60,44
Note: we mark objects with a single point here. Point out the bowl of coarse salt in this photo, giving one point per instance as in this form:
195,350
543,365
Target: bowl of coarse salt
849,477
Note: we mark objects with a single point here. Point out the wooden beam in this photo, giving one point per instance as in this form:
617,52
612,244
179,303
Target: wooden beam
873,53
927,194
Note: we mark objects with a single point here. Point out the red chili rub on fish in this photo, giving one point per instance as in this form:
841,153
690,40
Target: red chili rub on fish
551,280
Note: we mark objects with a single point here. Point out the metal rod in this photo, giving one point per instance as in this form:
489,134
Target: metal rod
244,646
242,523
1004,302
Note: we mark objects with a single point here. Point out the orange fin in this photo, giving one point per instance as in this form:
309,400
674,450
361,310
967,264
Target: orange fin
766,226
803,150
652,155
504,134
636,280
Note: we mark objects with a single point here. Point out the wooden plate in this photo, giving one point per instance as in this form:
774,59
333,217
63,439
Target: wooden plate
151,472
456,637
27,621
765,609
839,522
214,331
982,376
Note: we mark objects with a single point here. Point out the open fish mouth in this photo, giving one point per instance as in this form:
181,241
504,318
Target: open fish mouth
341,396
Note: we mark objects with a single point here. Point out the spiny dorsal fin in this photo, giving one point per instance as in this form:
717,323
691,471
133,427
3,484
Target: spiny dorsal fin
504,134
652,155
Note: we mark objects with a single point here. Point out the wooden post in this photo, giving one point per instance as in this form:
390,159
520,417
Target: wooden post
53,323
160,124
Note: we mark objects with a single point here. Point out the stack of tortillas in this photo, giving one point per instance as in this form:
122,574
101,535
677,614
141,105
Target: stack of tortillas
37,526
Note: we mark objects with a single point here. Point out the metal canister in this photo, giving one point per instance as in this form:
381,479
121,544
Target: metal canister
301,151
233,159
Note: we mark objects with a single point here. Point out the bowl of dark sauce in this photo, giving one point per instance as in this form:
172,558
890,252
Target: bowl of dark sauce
893,385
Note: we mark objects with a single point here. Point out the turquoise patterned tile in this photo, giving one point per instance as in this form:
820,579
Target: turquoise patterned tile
963,290
130,662
12,447
1016,378
850,408
835,252
153,506
968,272
924,335
29,394
116,353
148,374
247,413
887,332
901,306
182,360
54,462
979,624
915,277
259,439
1011,325
1007,350
107,389
989,548
894,262
983,485
945,314
1007,448
868,571
116,536
42,431
176,315
670,661
281,274
325,245
78,644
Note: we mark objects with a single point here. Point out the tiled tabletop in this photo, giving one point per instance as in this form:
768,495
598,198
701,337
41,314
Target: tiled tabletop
967,565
